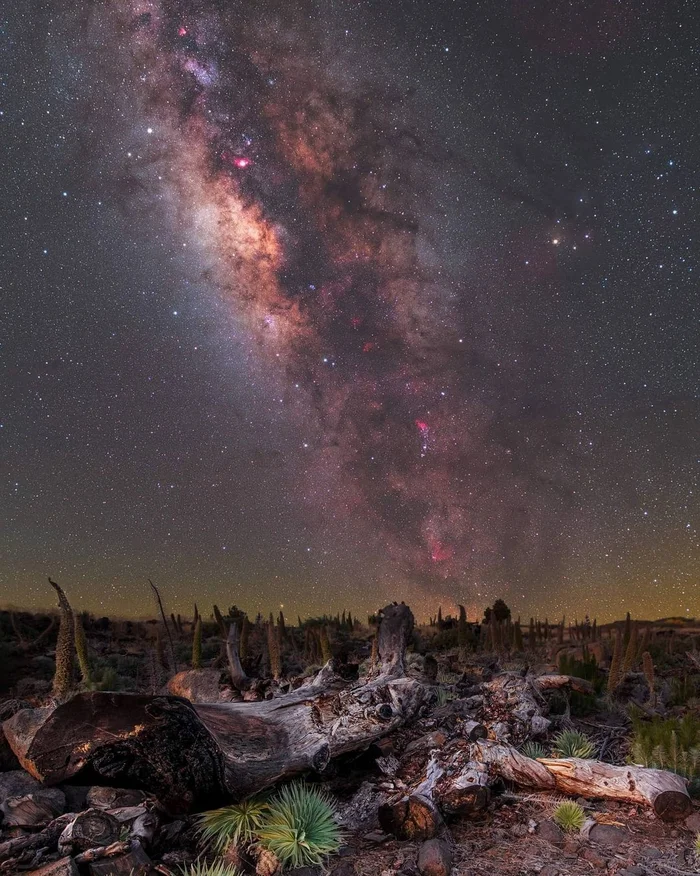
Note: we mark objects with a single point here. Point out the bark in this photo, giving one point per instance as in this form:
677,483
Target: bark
664,792
194,755
238,677
46,838
93,827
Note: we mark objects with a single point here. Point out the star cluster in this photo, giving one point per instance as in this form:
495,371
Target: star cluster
330,304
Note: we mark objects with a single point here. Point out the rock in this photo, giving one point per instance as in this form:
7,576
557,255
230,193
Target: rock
196,685
692,822
76,797
113,798
63,867
549,870
634,870
594,858
651,853
608,835
305,871
519,830
435,858
375,836
551,833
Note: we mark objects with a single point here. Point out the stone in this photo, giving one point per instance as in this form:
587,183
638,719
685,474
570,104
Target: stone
692,822
435,858
608,835
113,798
375,836
76,797
196,685
549,870
551,833
594,858
519,830
651,853
62,867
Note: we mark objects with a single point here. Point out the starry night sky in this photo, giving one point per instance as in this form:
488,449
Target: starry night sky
326,304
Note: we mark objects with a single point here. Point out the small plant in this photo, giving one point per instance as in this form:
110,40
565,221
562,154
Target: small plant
533,750
300,827
232,824
668,744
573,743
696,845
201,868
570,816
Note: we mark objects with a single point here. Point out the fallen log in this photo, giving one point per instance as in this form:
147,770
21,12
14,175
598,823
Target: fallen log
665,792
194,755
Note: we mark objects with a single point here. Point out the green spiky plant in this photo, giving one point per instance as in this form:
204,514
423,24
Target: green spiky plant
197,645
573,743
570,816
696,845
326,653
237,824
300,827
202,868
533,750
668,744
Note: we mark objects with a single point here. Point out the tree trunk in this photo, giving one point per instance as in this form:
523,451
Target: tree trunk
192,755
663,791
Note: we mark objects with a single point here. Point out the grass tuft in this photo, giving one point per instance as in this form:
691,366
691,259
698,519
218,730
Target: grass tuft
201,868
300,827
533,750
573,743
569,816
235,824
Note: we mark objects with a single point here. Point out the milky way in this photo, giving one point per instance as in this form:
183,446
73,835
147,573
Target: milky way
418,272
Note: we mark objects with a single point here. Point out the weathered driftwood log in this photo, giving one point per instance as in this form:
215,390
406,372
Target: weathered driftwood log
46,838
515,706
192,755
665,792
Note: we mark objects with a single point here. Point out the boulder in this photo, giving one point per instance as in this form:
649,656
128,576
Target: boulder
608,836
435,858
551,833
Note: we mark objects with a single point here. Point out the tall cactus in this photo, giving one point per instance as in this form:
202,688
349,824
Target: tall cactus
197,645
65,644
326,653
273,649
615,665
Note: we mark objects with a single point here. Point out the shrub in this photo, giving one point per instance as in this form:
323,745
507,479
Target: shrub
668,744
201,868
300,827
573,743
533,750
569,816
232,824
